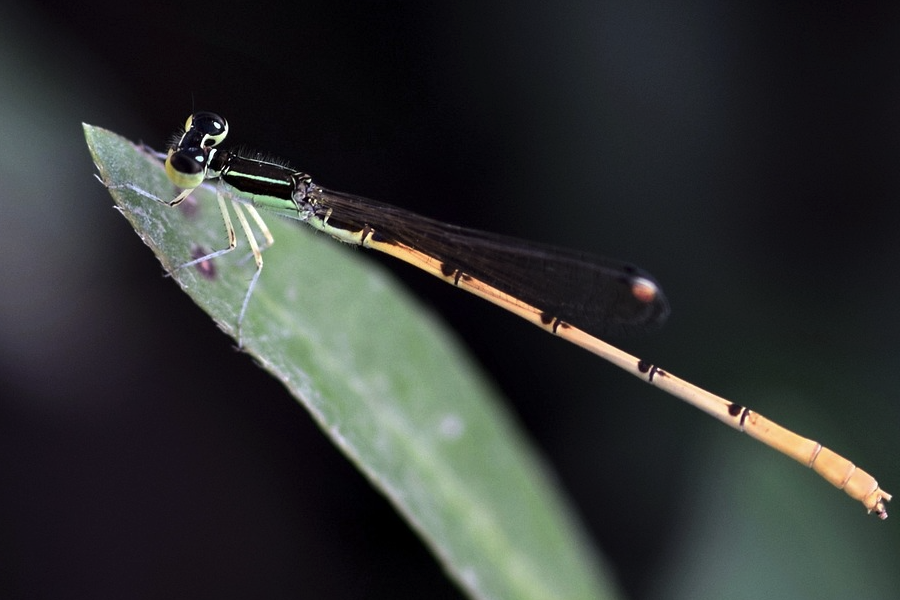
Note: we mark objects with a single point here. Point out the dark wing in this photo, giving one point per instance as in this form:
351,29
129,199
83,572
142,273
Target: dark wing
595,294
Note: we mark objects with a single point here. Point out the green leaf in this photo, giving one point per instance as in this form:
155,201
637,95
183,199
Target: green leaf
390,387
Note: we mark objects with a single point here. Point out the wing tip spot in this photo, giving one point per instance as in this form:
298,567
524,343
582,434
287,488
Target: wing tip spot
643,290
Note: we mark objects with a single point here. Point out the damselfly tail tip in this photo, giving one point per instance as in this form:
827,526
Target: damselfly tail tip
875,503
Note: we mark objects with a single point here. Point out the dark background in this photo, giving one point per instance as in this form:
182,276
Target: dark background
743,153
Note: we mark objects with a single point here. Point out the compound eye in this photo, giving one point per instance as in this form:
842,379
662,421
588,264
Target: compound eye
210,127
186,167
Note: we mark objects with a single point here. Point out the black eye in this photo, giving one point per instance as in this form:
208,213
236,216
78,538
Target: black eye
210,127
187,167
188,161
